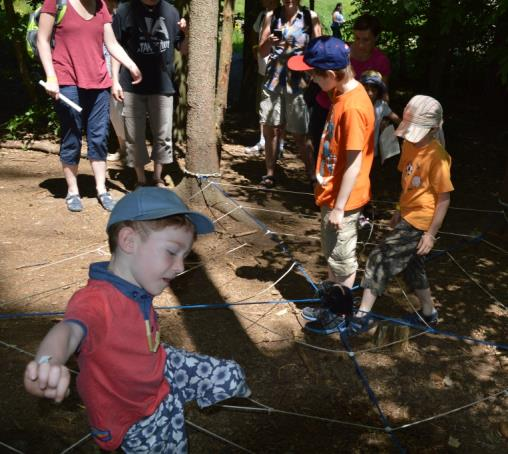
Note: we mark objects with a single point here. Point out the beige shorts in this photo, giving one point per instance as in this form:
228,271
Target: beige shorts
339,245
284,109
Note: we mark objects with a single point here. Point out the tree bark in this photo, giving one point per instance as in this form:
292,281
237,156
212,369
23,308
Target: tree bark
201,156
19,51
180,79
249,76
226,51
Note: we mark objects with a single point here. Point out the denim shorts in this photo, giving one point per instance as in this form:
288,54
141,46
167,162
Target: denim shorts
94,119
339,245
396,254
191,376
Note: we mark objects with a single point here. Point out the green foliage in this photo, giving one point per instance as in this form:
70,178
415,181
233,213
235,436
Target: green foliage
36,120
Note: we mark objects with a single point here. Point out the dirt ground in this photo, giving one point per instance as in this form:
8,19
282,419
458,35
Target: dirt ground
46,252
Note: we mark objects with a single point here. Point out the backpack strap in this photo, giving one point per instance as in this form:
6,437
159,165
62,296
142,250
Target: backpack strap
276,15
61,8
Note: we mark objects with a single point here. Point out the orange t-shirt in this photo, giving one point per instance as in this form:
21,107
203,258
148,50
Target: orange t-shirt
425,175
350,126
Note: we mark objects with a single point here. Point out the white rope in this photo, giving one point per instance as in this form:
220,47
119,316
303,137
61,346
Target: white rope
200,191
264,189
10,448
218,437
227,214
82,440
271,410
472,279
199,175
59,261
20,350
43,292
449,412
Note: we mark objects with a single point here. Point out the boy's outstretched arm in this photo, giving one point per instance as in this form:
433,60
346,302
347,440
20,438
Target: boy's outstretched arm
50,378
429,237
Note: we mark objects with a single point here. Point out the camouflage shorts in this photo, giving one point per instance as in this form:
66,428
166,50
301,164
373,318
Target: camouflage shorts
396,254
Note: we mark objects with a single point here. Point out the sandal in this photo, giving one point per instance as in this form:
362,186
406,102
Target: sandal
268,181
73,202
106,201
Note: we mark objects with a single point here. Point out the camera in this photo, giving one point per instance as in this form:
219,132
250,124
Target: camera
278,33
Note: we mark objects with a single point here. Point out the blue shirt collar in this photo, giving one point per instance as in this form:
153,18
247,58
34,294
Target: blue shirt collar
99,271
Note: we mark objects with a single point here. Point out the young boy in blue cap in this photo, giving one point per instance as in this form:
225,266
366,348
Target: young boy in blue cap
343,165
134,388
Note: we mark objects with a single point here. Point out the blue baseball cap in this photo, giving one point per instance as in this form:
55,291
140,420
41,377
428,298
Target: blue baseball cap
148,203
324,52
371,77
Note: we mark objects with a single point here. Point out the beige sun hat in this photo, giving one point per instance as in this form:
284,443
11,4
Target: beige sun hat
421,114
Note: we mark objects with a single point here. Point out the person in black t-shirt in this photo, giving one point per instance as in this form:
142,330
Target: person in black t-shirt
149,30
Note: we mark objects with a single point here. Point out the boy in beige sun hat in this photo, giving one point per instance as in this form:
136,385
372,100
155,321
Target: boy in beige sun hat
424,201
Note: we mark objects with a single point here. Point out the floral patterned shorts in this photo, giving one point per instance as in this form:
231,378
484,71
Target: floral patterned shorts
192,376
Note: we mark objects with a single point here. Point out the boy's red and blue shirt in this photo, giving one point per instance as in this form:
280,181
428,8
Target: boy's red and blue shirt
120,380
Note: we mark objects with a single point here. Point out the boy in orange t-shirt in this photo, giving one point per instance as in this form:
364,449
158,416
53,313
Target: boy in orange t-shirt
424,201
343,166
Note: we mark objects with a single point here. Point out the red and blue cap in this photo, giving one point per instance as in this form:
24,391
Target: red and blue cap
324,52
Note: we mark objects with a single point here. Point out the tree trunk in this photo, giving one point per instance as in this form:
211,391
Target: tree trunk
19,51
201,156
226,51
180,78
249,76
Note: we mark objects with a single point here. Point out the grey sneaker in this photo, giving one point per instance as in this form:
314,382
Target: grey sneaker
73,202
417,318
106,201
311,313
327,323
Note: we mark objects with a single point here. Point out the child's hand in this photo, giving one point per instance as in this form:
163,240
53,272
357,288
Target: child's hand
135,74
336,218
395,219
182,25
47,380
426,244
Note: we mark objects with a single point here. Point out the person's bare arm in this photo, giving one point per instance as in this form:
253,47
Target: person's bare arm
428,239
183,46
316,25
50,378
267,39
46,23
353,167
118,53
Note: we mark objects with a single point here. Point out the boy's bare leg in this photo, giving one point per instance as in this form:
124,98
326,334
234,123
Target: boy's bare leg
368,300
347,281
70,174
99,172
425,298
270,133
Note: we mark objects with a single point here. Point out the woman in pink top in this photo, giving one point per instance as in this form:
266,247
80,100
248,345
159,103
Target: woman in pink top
76,68
364,53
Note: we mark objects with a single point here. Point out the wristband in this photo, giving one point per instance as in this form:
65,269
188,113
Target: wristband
44,359
51,79
432,236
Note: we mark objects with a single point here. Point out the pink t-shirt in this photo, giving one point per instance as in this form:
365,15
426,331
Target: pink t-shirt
78,56
378,61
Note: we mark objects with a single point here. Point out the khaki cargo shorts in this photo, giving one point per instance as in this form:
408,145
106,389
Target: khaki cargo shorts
339,245
284,109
